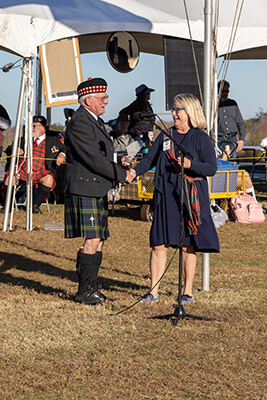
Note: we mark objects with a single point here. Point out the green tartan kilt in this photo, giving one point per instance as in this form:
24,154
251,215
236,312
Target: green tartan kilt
86,217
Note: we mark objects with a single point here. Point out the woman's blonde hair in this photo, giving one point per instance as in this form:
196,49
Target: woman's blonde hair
193,108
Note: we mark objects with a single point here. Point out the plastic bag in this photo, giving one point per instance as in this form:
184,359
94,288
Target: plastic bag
219,216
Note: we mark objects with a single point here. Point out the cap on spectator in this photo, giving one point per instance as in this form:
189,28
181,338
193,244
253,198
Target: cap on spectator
95,85
40,119
143,89
123,117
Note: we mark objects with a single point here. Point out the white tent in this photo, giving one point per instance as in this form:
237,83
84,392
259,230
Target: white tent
251,39
25,25
36,24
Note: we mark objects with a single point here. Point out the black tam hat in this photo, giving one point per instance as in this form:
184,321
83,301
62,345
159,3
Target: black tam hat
40,119
95,85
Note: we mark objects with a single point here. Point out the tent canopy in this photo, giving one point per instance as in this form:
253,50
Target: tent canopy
24,25
49,21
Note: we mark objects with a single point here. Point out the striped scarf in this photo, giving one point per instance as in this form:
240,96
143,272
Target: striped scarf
190,189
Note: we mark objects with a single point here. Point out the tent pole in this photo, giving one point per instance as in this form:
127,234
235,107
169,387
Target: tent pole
207,105
24,75
29,148
38,104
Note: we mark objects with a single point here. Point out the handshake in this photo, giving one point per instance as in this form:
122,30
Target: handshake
127,161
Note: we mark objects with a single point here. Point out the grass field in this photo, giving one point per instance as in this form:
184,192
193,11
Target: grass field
54,348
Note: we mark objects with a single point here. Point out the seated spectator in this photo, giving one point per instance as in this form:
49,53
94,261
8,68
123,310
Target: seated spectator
48,152
121,137
249,188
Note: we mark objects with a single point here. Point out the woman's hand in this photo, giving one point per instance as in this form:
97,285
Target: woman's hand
187,162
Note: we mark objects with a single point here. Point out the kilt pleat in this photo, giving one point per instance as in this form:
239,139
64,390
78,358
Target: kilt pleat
86,217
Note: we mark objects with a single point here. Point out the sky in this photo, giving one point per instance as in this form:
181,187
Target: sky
248,79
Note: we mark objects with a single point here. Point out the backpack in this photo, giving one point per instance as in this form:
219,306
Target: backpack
245,209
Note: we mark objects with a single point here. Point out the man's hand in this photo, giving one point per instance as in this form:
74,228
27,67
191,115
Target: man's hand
60,159
240,145
20,152
130,176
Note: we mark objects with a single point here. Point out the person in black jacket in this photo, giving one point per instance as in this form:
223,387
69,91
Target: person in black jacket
48,153
90,173
142,128
5,123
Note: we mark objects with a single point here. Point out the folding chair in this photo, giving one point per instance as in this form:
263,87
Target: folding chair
20,198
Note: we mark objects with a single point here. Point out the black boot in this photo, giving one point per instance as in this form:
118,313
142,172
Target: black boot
87,289
39,198
98,263
98,260
4,200
82,274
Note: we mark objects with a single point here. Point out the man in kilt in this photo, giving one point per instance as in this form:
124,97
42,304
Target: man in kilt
47,152
89,175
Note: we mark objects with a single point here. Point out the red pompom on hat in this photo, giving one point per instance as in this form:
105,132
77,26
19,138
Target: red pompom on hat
95,85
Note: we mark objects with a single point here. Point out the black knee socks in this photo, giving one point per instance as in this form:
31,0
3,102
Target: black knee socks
87,270
41,195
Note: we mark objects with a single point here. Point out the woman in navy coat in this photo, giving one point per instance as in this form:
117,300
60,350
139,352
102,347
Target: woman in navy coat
199,231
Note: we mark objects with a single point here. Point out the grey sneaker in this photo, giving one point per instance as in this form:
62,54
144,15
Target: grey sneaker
149,297
186,299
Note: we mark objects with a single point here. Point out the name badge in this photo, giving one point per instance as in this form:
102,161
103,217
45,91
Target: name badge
166,145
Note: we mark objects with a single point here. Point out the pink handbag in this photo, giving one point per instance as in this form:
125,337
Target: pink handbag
245,209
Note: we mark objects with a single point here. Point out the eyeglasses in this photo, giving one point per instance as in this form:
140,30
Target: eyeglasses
225,91
35,125
100,98
177,109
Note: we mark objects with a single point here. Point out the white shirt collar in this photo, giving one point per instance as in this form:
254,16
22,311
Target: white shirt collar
95,116
41,138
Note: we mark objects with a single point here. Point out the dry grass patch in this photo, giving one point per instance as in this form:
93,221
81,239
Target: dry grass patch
53,348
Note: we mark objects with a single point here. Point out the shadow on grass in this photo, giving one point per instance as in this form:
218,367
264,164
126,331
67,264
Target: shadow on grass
25,264
107,283
47,253
31,284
